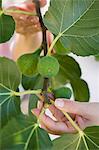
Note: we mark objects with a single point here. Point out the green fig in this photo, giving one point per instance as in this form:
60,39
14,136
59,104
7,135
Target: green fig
62,92
48,66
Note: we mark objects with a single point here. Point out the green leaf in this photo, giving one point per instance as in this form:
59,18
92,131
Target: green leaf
9,81
78,23
97,57
92,137
33,100
33,83
28,63
70,72
9,73
69,69
9,106
76,142
60,49
81,90
23,133
7,27
62,92
0,3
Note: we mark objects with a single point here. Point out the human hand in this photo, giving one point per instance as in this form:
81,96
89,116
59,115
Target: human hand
83,113
26,24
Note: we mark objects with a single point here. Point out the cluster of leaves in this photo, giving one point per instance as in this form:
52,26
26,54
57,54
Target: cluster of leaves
75,26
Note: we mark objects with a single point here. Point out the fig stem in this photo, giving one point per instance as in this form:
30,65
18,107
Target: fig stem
44,45
71,121
40,116
18,12
25,92
53,43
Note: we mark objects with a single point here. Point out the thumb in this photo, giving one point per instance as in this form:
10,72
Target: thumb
73,107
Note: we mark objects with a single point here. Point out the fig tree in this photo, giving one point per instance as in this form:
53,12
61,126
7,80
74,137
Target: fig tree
48,66
62,92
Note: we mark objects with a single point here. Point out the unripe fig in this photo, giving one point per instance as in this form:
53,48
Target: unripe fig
62,92
48,66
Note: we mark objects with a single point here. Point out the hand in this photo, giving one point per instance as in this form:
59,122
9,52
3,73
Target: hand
83,113
26,24
28,37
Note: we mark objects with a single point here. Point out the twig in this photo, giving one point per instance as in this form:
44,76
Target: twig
44,46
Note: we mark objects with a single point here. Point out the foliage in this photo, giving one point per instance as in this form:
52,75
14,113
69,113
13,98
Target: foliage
28,63
62,92
24,135
7,25
90,140
9,81
75,26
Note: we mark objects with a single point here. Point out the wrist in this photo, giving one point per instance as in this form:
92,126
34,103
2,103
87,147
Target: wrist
26,44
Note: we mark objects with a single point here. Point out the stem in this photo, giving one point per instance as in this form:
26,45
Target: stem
53,43
73,123
5,87
44,45
40,116
26,92
85,143
78,143
5,94
18,12
1,12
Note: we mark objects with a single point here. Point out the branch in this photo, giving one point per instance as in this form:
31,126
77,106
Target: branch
44,46
44,40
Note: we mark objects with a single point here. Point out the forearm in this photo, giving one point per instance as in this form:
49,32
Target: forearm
26,44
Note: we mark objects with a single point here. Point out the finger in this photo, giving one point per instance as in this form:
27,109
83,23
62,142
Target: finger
48,130
33,29
81,122
27,6
80,108
30,30
30,20
50,38
36,112
55,127
16,11
57,113
70,126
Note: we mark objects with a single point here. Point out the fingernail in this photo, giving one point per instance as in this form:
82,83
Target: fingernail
59,103
32,20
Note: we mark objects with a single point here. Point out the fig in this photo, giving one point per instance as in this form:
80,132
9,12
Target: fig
62,92
48,66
